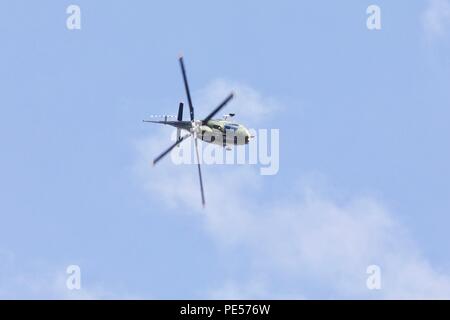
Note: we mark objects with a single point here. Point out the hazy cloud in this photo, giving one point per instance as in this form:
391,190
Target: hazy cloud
24,279
436,18
304,237
304,244
248,104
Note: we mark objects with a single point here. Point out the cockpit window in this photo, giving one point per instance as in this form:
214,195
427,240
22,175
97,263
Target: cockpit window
231,126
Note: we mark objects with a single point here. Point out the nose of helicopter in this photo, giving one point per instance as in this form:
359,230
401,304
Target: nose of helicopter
247,136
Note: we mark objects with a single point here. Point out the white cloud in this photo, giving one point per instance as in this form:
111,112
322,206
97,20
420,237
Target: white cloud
436,18
25,280
315,245
43,284
248,104
233,290
307,239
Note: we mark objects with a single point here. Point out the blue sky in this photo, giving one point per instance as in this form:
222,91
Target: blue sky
363,118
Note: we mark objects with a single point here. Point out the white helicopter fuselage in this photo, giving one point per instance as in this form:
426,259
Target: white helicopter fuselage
223,132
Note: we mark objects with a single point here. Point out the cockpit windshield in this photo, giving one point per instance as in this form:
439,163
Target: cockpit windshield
231,126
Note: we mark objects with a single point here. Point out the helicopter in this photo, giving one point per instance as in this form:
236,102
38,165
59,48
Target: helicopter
217,131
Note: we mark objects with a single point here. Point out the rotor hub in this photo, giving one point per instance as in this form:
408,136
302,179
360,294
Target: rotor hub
196,124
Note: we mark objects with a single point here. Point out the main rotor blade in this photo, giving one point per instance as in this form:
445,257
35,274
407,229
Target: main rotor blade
199,172
186,87
170,148
212,114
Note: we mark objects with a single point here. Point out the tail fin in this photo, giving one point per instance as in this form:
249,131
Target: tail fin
179,118
180,112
